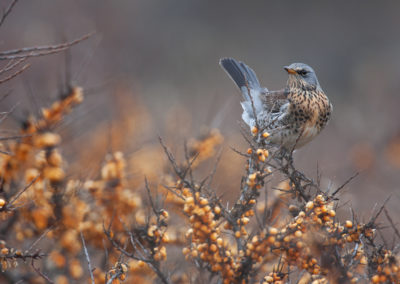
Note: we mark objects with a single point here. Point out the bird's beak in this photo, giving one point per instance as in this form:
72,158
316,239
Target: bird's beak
289,70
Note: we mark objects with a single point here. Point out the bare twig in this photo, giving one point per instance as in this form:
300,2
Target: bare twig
14,137
153,206
396,231
214,170
115,276
45,277
23,190
40,50
170,157
252,106
344,184
11,65
5,152
15,74
239,153
373,219
87,258
40,238
7,11
6,114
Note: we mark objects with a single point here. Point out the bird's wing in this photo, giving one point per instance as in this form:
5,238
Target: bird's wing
273,100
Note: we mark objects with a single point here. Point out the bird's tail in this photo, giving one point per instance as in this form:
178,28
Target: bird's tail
247,81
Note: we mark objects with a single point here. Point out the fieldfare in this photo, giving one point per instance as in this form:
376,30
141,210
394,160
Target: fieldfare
292,116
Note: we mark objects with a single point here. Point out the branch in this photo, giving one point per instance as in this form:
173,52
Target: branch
15,197
11,64
345,183
41,273
7,11
87,258
154,208
373,219
15,74
115,276
396,231
170,157
40,50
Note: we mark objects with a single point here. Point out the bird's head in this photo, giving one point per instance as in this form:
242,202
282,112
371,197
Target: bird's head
300,73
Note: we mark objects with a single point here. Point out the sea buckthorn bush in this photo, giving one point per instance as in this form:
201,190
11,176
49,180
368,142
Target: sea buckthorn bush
166,225
155,217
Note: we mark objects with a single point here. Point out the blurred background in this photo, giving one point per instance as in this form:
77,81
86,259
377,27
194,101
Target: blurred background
158,61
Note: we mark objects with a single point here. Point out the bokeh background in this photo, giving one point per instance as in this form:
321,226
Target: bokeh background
159,60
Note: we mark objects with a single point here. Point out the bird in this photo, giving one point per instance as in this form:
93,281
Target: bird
289,118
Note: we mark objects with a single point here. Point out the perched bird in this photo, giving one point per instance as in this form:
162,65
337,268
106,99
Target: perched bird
292,116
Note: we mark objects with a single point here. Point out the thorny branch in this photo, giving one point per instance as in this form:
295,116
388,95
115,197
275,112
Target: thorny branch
301,196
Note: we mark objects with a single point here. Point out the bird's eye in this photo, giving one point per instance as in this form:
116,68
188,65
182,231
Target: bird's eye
302,72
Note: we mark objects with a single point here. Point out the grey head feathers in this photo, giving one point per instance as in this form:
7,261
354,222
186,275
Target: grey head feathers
304,72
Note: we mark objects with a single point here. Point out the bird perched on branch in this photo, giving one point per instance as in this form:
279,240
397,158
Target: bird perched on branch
293,116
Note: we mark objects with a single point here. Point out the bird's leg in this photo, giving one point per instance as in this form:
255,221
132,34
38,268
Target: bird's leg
285,159
295,173
288,156
289,159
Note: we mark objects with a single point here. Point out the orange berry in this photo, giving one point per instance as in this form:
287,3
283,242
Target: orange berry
298,234
54,174
252,176
273,231
47,139
55,159
271,239
265,134
165,214
186,192
382,278
124,267
189,200
269,279
309,205
261,155
375,279
165,238
185,251
194,253
213,247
